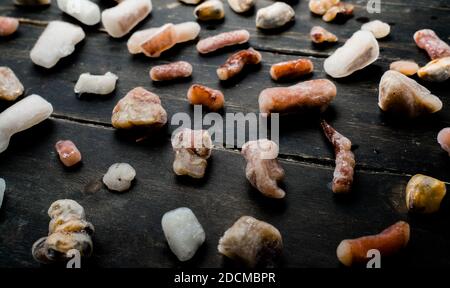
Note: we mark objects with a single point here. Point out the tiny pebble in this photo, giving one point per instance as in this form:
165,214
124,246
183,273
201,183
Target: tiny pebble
119,177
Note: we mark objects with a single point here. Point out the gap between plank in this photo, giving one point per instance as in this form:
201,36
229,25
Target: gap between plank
296,159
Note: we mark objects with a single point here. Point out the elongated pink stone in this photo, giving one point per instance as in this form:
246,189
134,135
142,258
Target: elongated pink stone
221,40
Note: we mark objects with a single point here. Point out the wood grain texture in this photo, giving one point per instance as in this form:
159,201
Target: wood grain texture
383,143
311,219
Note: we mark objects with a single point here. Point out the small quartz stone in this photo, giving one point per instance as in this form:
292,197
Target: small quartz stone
96,84
2,190
407,68
119,20
321,35
241,6
183,232
22,115
68,230
251,241
274,16
313,95
171,71
68,153
153,41
236,63
359,51
8,25
85,11
435,47
10,86
320,7
222,40
119,177
291,69
57,41
424,194
210,10
402,95
263,170
378,28
437,70
192,149
208,97
139,108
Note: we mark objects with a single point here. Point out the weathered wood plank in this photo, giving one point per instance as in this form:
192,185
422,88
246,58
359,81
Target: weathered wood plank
383,143
311,219
404,17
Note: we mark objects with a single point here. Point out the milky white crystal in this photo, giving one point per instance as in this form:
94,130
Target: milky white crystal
378,28
119,176
21,116
183,232
85,11
358,52
96,84
57,41
402,95
119,20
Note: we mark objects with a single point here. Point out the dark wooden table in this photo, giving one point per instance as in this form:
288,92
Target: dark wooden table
311,219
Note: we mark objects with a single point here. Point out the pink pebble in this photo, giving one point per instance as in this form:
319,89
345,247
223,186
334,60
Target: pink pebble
68,152
8,25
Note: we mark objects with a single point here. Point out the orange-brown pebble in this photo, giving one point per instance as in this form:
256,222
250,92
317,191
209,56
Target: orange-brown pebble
236,63
202,95
320,35
68,152
291,69
388,242
344,9
171,71
407,68
8,25
314,94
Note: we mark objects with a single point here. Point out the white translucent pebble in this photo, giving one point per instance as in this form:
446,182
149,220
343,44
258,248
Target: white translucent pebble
358,52
183,232
379,29
119,176
2,190
21,116
65,208
57,41
119,20
274,16
85,11
96,84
